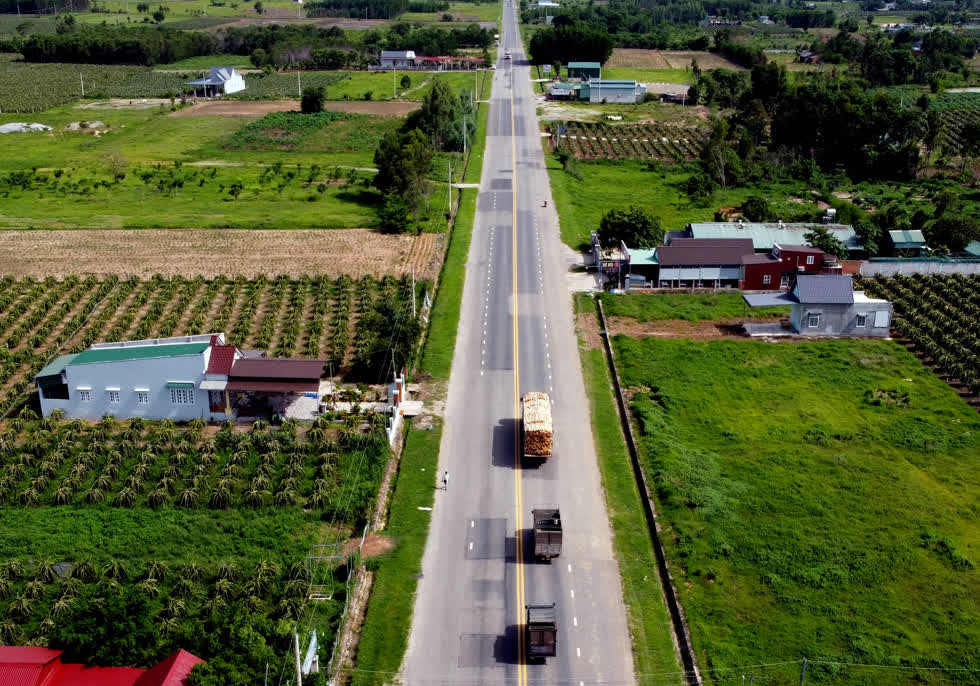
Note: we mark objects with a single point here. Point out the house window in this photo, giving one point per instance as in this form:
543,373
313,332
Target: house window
142,397
862,320
113,396
181,396
85,396
813,320
766,279
809,259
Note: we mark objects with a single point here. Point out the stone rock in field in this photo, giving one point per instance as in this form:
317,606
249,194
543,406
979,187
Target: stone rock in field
21,127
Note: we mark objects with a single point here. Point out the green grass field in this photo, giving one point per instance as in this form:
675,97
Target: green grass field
462,12
818,500
604,186
648,75
203,63
649,623
646,307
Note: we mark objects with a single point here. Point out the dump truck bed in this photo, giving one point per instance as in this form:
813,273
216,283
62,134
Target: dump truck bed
547,531
542,630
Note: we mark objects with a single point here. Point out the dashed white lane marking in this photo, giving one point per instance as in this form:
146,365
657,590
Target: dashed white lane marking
572,592
575,621
471,545
569,568
578,652
472,523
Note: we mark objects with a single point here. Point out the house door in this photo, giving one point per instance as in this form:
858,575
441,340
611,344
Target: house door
784,281
216,400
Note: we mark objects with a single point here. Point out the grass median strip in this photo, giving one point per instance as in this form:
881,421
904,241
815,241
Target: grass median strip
653,648
389,612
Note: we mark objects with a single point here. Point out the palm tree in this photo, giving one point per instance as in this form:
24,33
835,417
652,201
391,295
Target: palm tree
192,571
220,498
188,497
157,498
255,497
115,570
21,607
103,482
34,589
84,570
5,586
61,605
44,571
182,587
175,608
156,569
8,632
214,604
125,498
149,587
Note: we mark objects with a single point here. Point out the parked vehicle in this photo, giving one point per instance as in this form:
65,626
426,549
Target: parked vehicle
547,532
536,427
541,631
506,55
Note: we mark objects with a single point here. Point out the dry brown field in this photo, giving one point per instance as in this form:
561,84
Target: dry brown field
258,108
209,252
667,59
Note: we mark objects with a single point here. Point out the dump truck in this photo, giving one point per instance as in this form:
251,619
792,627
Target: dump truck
547,532
536,428
541,631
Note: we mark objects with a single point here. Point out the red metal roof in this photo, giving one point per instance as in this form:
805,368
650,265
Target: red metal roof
30,666
171,672
274,386
273,369
222,357
87,675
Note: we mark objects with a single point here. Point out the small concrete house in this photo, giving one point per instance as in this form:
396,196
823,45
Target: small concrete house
179,378
397,59
220,81
826,305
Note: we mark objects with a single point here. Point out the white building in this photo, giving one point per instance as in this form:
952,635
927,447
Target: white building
397,59
221,81
180,378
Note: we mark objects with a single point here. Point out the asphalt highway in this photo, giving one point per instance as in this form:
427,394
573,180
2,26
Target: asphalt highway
516,335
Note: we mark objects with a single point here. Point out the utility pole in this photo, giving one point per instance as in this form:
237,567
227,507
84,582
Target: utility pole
803,673
81,77
299,85
266,682
394,91
413,292
299,670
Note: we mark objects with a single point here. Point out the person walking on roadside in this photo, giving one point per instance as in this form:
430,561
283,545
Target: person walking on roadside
445,480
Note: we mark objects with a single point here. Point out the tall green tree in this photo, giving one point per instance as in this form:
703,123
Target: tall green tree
634,226
820,237
403,161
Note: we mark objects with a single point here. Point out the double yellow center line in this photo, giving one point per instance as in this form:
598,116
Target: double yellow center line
521,657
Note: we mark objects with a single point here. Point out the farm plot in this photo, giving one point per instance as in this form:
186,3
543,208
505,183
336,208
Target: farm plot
193,253
940,316
816,499
664,142
351,323
169,537
956,110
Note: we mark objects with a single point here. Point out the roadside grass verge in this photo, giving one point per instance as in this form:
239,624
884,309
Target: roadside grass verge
437,356
649,623
692,307
389,612
817,500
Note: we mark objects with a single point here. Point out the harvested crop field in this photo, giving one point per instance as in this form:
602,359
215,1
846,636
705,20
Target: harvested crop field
667,59
206,252
258,108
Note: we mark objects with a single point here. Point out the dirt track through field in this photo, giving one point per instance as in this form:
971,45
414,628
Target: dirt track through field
208,252
258,108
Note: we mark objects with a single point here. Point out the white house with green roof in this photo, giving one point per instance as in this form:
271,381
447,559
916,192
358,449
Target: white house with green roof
155,378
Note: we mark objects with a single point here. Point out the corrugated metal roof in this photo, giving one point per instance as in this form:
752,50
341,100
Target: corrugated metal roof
690,252
274,386
57,365
907,239
759,258
273,368
27,655
643,256
766,234
88,675
824,289
584,65
973,248
138,352
171,672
